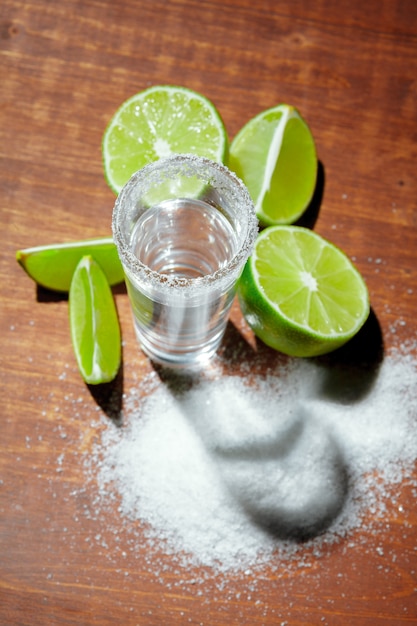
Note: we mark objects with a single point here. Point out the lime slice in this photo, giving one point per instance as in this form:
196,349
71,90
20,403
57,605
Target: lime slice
275,156
300,294
156,123
95,329
52,266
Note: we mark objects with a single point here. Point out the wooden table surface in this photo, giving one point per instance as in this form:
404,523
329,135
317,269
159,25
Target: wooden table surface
351,69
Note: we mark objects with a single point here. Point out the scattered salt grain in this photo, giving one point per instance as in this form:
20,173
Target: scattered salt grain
228,472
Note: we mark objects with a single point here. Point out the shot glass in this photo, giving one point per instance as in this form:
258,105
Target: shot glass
184,227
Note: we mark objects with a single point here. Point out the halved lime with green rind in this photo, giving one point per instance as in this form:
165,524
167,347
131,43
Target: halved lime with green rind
275,156
156,123
53,266
300,293
94,323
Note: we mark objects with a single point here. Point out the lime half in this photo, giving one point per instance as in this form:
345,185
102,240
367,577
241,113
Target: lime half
53,266
156,123
275,156
301,294
94,323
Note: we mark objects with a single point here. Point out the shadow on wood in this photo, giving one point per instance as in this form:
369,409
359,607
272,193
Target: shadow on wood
109,397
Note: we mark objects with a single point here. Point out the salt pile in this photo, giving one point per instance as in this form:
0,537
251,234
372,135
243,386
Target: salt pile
228,472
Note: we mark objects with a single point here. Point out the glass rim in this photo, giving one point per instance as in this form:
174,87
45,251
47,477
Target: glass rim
140,271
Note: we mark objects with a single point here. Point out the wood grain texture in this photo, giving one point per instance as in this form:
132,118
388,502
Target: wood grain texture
351,69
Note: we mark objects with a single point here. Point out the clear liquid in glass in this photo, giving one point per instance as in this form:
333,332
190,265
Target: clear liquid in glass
183,238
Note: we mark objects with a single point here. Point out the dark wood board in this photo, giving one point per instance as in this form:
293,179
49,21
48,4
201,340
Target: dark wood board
351,70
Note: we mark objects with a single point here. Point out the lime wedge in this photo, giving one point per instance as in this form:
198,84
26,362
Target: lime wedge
301,294
275,156
156,123
94,323
52,266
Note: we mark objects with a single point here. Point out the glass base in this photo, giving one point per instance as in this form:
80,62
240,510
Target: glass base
185,360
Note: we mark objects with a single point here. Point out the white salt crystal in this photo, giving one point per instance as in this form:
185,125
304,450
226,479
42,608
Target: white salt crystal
227,473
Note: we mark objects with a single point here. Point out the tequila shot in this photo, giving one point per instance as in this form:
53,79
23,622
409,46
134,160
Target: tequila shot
184,227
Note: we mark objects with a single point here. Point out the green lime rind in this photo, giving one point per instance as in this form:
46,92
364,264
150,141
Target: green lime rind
157,122
275,156
94,323
52,266
300,294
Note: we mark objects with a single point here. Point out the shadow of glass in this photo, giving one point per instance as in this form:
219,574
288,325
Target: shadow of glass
178,382
239,355
297,493
283,469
